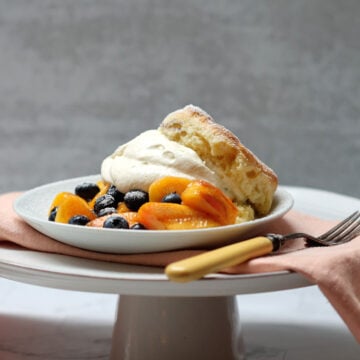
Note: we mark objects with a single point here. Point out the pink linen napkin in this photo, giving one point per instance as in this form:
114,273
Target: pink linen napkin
334,269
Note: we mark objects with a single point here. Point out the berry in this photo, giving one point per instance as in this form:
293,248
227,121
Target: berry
116,222
135,198
79,220
53,213
172,198
116,194
138,226
106,211
104,201
87,191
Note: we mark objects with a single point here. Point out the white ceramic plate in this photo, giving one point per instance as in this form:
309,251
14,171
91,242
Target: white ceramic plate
33,207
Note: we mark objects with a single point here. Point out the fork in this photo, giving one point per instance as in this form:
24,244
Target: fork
196,267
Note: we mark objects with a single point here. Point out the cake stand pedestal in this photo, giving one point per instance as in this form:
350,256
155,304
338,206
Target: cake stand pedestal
156,319
177,328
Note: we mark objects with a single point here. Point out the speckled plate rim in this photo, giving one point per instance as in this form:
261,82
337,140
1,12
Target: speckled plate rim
33,206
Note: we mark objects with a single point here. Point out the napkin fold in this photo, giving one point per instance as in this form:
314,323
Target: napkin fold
333,269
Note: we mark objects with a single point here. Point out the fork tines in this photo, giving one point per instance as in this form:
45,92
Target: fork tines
343,232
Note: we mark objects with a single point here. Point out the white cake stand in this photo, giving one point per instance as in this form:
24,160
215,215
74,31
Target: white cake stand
158,319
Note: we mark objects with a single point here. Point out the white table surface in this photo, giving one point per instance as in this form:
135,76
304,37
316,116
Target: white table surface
43,323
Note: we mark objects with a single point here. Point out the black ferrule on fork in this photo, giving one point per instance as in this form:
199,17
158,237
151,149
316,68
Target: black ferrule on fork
276,239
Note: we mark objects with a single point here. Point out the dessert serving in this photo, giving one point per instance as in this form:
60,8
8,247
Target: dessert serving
190,173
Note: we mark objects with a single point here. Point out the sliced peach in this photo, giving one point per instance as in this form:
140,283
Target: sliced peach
167,185
168,216
59,198
98,222
122,208
101,184
71,206
103,190
131,217
207,198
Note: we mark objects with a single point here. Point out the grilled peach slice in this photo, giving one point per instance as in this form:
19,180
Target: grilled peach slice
207,198
71,206
169,216
165,186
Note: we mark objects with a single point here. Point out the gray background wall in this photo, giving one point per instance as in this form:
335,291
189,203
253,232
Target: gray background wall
77,78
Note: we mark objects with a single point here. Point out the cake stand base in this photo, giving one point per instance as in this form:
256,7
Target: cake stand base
177,328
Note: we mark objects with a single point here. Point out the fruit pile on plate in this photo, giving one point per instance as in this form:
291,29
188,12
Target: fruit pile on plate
171,203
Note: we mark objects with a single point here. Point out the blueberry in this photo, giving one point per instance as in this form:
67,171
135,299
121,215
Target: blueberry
172,198
116,194
116,222
53,213
79,220
104,201
135,198
138,226
106,211
87,190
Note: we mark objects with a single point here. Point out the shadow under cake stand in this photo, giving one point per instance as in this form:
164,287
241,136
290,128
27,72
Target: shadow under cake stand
156,319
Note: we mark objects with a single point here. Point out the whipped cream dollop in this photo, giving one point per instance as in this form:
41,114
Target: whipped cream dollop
151,156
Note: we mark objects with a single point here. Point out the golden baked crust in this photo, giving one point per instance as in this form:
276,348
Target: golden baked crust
247,179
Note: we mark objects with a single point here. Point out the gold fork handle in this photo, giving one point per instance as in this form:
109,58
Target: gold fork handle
196,267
